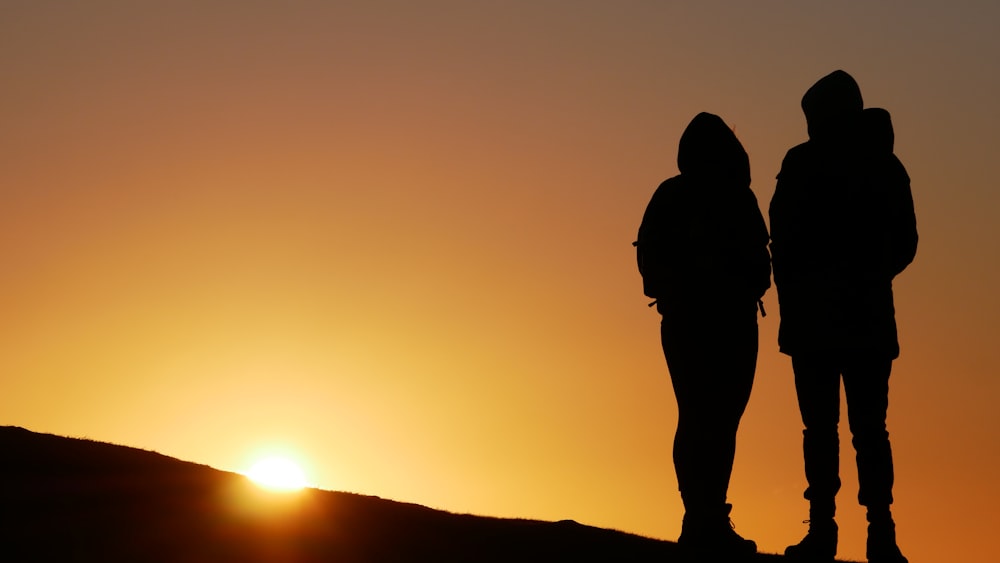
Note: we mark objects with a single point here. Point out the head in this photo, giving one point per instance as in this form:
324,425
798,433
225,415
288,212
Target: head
832,106
876,130
708,147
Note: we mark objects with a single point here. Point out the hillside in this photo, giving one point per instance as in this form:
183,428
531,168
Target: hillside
64,499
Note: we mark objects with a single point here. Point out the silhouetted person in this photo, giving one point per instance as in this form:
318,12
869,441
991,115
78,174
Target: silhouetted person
842,227
702,252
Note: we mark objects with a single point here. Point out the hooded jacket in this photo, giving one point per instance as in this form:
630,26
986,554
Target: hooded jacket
702,242
842,227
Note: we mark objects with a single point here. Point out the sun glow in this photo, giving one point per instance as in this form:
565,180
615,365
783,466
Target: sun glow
277,474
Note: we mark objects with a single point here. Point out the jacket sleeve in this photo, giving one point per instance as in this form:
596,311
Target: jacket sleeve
652,257
903,221
756,253
783,229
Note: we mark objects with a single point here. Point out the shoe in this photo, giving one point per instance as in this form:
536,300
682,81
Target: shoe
713,537
882,546
819,545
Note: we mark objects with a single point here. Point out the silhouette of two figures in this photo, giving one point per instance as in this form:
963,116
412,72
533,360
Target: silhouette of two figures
842,227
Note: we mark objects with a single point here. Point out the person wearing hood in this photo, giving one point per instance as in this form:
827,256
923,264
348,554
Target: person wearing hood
842,227
702,252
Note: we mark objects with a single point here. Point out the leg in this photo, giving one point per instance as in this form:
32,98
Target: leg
817,385
866,384
685,362
712,361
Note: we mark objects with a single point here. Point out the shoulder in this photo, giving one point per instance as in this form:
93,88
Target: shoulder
896,168
668,190
670,185
889,174
796,158
800,150
748,196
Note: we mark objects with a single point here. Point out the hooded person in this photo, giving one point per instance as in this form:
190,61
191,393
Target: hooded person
878,136
702,253
842,227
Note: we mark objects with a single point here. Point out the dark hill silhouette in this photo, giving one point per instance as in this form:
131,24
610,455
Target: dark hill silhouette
66,500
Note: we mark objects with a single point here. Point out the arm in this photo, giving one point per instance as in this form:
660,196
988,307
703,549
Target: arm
903,221
755,253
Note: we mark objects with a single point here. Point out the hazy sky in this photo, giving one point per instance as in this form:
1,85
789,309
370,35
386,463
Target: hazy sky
393,238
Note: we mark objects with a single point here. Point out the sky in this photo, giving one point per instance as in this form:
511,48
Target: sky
392,240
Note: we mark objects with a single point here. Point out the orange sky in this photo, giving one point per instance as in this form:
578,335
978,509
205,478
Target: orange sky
394,238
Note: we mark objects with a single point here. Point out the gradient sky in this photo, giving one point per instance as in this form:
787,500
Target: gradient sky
393,238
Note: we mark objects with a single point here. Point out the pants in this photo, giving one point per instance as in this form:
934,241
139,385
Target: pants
866,386
712,357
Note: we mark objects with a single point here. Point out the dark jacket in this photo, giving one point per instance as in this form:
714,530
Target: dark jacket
702,243
842,227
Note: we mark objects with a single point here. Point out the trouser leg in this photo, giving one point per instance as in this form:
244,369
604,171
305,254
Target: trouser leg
711,369
866,384
817,386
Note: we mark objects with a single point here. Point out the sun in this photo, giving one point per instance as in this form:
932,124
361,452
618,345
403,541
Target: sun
277,474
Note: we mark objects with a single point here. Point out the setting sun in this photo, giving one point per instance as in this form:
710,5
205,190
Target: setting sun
277,473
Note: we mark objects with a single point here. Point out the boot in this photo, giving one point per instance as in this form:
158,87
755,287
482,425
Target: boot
819,545
882,546
712,536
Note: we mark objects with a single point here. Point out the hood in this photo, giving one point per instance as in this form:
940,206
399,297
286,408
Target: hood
708,147
876,129
832,106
